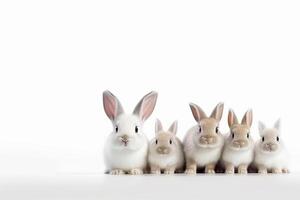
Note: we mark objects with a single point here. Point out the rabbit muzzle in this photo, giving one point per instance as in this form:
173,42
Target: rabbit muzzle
270,147
124,139
240,143
207,139
163,150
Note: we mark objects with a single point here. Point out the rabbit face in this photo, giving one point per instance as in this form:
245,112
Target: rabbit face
270,141
127,128
207,135
165,142
127,133
240,138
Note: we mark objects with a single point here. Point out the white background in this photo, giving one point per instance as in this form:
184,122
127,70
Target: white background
57,57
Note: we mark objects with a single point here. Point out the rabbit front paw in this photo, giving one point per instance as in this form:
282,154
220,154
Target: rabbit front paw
276,171
136,172
116,172
155,171
242,169
169,171
190,171
210,169
285,170
229,168
262,170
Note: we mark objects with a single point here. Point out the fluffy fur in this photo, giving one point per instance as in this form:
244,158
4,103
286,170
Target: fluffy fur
238,150
126,147
165,151
270,152
203,143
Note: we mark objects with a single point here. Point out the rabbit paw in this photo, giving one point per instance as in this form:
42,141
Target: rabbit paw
169,171
262,171
285,170
242,170
229,170
116,172
276,171
136,172
190,171
210,171
157,171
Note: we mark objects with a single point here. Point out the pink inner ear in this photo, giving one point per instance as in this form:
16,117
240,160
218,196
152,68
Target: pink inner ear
147,108
110,106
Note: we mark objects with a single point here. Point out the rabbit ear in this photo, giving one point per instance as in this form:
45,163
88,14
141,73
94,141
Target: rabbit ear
247,119
146,106
277,125
173,127
261,128
217,112
112,106
232,119
158,126
198,113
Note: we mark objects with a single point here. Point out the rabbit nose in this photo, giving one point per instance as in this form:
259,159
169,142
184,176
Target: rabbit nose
163,150
270,147
124,139
240,143
207,139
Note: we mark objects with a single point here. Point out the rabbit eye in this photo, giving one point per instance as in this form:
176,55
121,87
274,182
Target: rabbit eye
117,129
170,141
156,141
136,129
217,129
248,135
200,129
277,138
232,135
263,139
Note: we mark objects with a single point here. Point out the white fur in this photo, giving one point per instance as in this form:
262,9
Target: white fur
117,156
278,159
237,157
270,160
201,155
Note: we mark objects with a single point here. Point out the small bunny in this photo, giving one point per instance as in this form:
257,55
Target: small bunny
126,148
270,152
203,143
165,151
238,150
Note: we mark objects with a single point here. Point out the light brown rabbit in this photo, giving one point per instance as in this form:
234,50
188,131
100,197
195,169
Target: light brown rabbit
239,146
165,151
203,143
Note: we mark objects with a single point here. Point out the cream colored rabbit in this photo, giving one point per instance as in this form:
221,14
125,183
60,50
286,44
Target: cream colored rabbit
203,143
165,150
270,152
238,149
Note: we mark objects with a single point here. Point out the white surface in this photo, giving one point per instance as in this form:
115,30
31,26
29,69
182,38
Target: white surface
56,58
95,186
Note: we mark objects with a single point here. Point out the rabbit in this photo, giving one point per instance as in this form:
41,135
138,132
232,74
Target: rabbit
270,152
239,146
203,143
165,150
126,148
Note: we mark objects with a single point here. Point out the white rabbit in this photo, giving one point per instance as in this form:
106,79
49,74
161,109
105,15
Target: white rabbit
126,148
165,150
239,146
270,152
203,143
